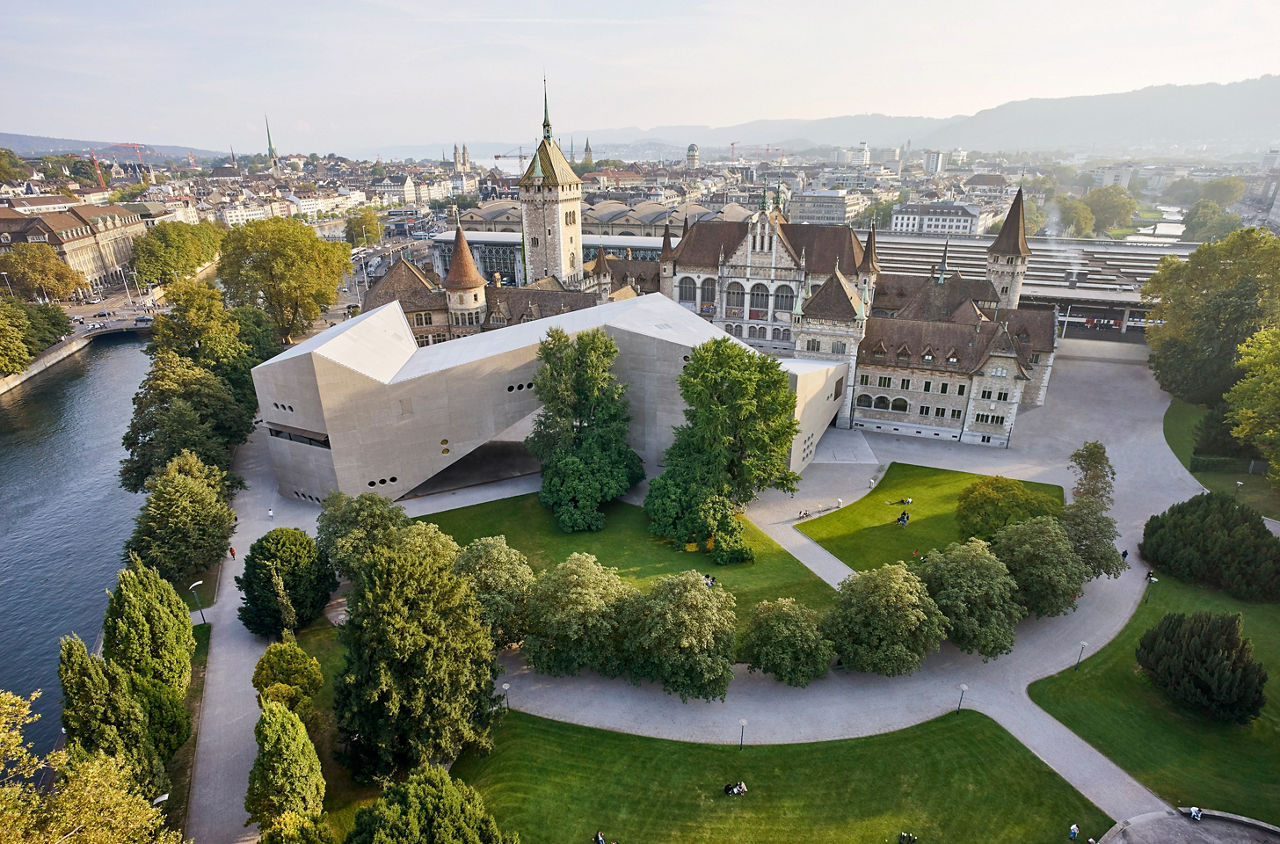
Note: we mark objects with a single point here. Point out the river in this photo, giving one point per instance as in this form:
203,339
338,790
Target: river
64,514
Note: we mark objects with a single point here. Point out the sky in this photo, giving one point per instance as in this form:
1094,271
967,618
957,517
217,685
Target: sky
355,76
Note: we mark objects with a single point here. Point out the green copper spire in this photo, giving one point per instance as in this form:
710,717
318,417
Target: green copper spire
271,148
764,196
546,113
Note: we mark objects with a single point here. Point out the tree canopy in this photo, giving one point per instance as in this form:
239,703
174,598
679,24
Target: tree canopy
1039,555
286,774
1204,662
681,635
502,580
576,618
287,555
1254,402
1074,217
147,628
363,228
185,524
1112,207
283,267
884,622
1095,476
172,250
987,505
430,807
580,435
1225,191
1207,221
36,271
349,528
14,326
976,593
783,638
426,692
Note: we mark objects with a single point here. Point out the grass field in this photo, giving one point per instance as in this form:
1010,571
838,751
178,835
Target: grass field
343,796
208,590
1179,432
957,778
864,534
640,557
181,766
1183,757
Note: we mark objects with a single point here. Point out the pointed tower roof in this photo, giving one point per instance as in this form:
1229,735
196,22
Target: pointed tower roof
546,112
1012,239
942,267
667,252
463,274
271,148
684,232
870,263
549,167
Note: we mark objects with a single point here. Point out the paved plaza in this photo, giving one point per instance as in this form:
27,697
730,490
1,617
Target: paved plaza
1099,391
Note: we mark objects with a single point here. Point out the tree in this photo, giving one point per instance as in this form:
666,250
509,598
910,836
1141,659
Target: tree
173,248
283,267
286,775
101,714
287,663
1204,308
1223,192
184,525
1093,536
976,593
45,323
14,326
1112,206
286,555
1095,477
1074,217
1183,192
575,612
1202,661
1039,555
884,622
1254,402
198,326
986,506
256,332
682,635
430,807
736,440
783,638
364,228
36,271
1207,221
426,692
349,528
147,628
502,580
580,435
293,828
180,405
168,721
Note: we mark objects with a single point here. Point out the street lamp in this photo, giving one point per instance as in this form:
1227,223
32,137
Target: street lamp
7,284
200,607
963,689
506,687
1238,485
1083,645
742,722
160,799
1151,578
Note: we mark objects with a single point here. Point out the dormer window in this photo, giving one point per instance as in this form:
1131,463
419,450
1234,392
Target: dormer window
952,359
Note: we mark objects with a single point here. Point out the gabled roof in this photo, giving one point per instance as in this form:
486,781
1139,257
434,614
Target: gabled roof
942,301
549,168
415,289
836,299
1012,239
823,246
707,241
463,274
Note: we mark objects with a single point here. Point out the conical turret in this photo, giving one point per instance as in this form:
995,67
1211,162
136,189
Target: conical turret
463,273
667,252
870,263
1012,239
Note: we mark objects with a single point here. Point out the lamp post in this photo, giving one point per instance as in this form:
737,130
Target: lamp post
7,284
742,734
1083,645
506,687
199,606
1238,485
963,689
1151,578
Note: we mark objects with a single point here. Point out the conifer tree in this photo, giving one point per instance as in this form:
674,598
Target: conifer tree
186,523
430,806
1202,661
284,583
286,776
147,628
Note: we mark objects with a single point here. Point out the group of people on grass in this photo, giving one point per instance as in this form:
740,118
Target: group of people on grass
735,789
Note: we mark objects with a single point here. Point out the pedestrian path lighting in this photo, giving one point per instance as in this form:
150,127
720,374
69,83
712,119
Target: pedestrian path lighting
506,687
742,734
1083,645
160,799
1151,578
963,689
192,588
1238,485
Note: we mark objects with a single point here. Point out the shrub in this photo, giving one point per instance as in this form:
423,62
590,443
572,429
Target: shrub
1202,661
681,635
783,639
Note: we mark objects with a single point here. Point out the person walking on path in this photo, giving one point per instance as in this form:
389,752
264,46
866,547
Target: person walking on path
233,553
1074,832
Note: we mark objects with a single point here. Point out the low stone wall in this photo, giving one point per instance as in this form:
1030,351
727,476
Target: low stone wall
47,358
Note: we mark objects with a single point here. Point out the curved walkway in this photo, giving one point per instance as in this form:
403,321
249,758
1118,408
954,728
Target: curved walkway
1115,402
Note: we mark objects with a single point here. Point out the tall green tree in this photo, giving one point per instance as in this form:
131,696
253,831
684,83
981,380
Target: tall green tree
364,228
1095,476
349,528
1093,534
36,271
784,639
289,556
430,807
1254,402
1183,192
184,525
173,250
1225,191
681,635
1039,555
288,664
1074,217
1207,221
46,324
575,618
293,828
147,627
580,435
426,692
1204,662
976,593
14,325
884,622
197,326
502,580
1112,207
987,505
286,774
283,267
1204,308
736,440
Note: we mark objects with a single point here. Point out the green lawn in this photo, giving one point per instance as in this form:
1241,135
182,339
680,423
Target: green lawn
343,796
640,557
1183,757
957,778
864,534
207,590
1179,432
180,767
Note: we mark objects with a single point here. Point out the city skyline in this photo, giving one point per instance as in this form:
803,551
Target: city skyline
388,73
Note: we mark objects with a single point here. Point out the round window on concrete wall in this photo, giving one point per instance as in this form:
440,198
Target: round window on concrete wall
444,451
444,442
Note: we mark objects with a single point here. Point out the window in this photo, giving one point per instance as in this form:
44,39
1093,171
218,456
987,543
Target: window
1035,357
535,241
759,298
942,388
986,439
686,289
928,386
899,405
864,379
421,320
884,381
960,389
784,299
708,291
955,414
736,295
924,410
986,394
940,412
837,348
813,346
864,400
1003,395
905,383
882,403
999,372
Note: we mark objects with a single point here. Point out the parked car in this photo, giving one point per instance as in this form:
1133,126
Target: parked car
102,314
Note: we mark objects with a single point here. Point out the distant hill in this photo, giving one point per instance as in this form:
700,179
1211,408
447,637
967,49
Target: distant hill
40,145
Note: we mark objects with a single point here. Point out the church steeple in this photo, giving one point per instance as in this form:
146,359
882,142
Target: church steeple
271,148
1007,256
546,112
870,262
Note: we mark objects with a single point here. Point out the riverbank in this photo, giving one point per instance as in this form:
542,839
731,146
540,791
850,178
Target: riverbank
56,353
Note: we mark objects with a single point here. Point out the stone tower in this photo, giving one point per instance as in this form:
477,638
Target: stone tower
464,290
457,160
586,154
691,157
1007,256
550,201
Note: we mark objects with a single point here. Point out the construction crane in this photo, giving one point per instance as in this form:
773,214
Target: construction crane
96,169
733,156
518,152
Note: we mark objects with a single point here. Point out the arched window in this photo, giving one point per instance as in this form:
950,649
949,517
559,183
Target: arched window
759,298
735,295
777,334
708,291
786,335
864,400
784,299
899,405
882,403
737,331
686,289
573,260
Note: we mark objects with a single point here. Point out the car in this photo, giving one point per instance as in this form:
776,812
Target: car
92,325
94,301
102,314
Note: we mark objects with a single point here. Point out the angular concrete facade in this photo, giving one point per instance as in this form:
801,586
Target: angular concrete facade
362,408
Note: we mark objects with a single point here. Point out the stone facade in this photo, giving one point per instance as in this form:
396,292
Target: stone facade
550,204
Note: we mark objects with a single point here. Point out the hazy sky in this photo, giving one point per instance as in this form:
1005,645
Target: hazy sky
356,75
